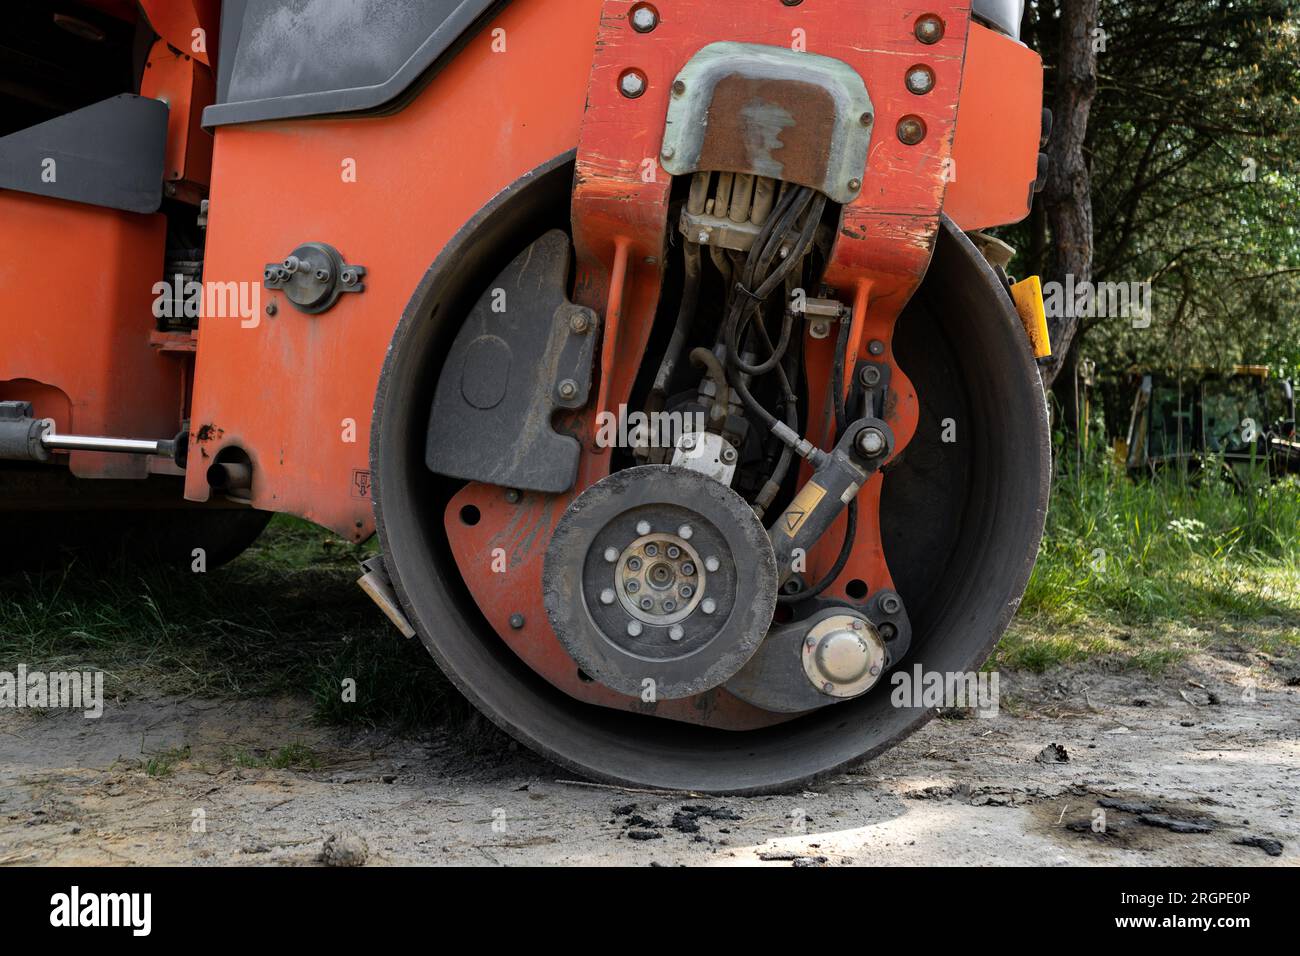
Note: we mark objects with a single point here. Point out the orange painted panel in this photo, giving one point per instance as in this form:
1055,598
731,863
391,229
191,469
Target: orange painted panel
76,283
995,153
285,388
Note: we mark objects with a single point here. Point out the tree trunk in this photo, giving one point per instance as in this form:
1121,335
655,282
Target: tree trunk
1068,196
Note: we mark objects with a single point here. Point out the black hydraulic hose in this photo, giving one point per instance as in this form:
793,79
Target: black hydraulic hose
685,315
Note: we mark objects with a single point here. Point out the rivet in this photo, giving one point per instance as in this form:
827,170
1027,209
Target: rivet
679,88
867,119
516,621
712,563
876,347
512,495
685,532
911,130
855,185
634,628
929,29
676,633
828,687
643,527
611,555
668,152
708,605
607,596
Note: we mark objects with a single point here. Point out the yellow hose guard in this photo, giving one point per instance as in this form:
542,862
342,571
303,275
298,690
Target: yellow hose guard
1028,296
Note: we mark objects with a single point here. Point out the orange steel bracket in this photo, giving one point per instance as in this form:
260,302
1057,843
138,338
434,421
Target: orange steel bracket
619,207
186,86
995,152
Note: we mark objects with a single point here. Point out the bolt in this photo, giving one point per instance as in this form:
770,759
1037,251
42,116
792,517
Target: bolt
667,152
568,388
644,19
513,496
611,555
634,564
633,587
920,80
643,527
675,633
728,455
828,688
871,442
688,569
516,621
291,264
631,84
322,275
579,323
888,631
857,625
708,605
911,130
679,88
685,532
811,642
876,347
688,442
272,308
819,329
348,277
712,563
866,119
890,604
703,237
855,185
647,603
651,550
673,552
870,376
929,29
634,628
686,590
607,596
875,669
670,606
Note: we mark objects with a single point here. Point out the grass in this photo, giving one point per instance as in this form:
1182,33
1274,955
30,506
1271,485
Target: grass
294,756
1137,570
1138,574
286,617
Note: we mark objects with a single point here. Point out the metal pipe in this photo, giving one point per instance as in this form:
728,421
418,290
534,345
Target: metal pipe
131,446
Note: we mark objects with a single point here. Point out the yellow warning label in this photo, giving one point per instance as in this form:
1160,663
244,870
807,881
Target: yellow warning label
808,498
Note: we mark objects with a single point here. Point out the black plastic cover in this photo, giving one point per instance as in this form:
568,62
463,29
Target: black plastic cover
108,154
1003,15
288,58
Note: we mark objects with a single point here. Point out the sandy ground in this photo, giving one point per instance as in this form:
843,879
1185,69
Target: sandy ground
1190,746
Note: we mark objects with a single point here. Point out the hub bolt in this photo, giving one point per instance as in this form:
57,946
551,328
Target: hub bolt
675,633
633,587
634,564
670,605
647,603
651,550
644,19
686,590
688,569
674,552
607,596
631,84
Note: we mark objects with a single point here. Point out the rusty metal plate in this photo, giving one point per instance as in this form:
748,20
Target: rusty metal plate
769,111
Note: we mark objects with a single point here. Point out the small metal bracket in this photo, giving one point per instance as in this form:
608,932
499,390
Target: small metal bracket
313,276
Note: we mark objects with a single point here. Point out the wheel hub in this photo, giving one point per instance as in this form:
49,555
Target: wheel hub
660,597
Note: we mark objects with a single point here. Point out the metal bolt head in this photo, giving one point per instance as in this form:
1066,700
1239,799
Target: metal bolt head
678,88
631,84
870,376
634,564
876,347
888,631
513,496
272,308
607,596
871,442
686,590
568,388
516,621
685,532
634,628
929,29
633,587
920,80
688,569
579,323
688,442
708,605
611,555
911,130
711,563
728,455
890,604
675,633
828,688
647,603
819,329
667,152
642,528
855,184
867,119
644,19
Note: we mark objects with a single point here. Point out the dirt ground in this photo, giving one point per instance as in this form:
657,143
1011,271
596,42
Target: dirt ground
1195,749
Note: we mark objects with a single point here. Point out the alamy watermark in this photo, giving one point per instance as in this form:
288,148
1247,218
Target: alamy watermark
624,429
46,690
184,298
1098,300
924,689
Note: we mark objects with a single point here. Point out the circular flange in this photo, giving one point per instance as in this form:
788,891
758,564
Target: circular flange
843,655
666,544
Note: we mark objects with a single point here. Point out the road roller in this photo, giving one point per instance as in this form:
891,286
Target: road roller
662,346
